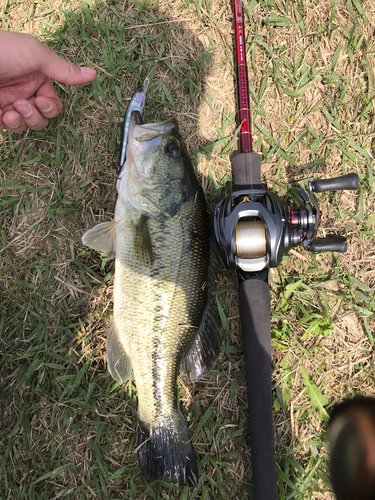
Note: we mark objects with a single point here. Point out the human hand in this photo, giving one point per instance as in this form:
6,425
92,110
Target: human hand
27,96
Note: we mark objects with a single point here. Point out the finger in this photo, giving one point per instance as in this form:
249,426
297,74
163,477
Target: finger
63,71
2,126
31,116
8,107
47,101
13,121
47,107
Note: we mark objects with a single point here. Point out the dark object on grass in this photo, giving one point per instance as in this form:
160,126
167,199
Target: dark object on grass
351,437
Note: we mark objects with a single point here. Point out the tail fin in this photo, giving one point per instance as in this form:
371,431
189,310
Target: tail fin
167,451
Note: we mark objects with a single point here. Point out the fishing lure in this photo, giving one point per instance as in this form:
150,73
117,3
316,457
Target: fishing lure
136,104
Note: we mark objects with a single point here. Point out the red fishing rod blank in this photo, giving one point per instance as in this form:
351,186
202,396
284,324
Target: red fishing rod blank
244,116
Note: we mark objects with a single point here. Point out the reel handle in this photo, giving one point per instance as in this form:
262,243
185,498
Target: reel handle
334,244
349,181
255,312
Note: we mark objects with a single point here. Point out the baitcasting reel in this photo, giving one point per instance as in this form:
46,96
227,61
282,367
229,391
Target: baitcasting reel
255,228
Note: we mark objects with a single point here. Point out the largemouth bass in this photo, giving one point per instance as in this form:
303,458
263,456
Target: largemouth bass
162,322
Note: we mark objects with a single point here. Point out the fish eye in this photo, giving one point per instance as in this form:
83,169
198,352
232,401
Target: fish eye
172,150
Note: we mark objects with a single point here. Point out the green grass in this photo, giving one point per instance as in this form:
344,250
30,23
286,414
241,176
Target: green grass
67,429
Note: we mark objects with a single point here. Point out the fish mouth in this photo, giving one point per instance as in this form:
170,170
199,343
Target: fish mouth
145,132
136,117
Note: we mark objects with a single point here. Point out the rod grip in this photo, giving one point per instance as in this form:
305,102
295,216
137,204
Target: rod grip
255,312
246,171
349,181
333,244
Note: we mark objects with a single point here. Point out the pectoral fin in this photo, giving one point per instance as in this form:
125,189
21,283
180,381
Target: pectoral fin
119,365
101,237
142,242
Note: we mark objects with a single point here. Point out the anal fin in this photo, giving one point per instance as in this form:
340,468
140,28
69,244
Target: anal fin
119,365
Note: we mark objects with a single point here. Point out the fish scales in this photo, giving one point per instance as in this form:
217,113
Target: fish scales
162,322
173,294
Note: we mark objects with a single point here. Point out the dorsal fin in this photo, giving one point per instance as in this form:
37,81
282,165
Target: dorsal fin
203,354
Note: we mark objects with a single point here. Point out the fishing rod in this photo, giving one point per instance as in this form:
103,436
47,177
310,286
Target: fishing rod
254,229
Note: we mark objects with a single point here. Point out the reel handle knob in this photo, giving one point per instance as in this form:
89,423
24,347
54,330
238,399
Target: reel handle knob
349,181
334,244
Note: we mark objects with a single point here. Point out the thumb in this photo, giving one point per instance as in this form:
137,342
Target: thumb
63,71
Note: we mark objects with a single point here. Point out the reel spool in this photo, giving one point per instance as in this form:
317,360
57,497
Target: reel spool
251,239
